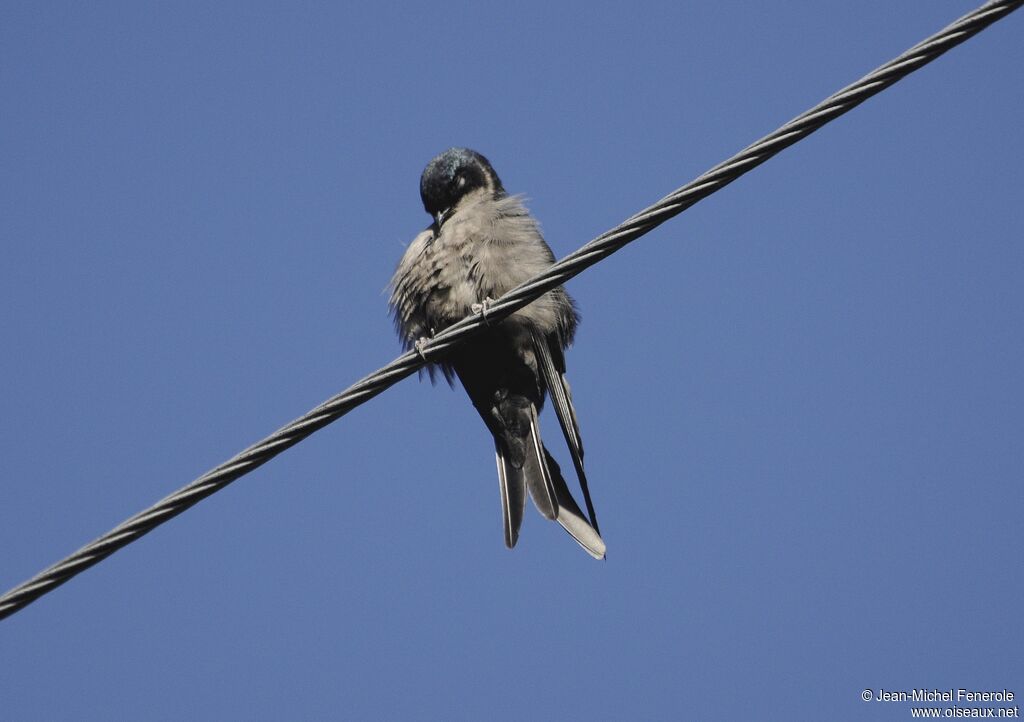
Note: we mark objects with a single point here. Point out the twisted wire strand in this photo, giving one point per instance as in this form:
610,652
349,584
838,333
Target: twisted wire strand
573,264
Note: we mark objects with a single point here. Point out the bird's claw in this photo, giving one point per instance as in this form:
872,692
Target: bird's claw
418,344
482,308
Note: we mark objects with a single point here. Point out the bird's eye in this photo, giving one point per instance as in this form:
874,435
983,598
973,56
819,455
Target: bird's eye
460,181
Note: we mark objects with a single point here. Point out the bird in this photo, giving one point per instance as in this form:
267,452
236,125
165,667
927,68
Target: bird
481,243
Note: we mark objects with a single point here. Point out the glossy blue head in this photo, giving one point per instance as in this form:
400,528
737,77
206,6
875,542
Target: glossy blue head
452,176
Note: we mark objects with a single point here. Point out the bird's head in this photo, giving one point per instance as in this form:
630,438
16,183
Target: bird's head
454,175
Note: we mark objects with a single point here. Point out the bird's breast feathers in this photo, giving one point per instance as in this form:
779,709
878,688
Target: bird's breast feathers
483,250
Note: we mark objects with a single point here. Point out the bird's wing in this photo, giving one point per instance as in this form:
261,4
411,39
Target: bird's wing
409,287
561,398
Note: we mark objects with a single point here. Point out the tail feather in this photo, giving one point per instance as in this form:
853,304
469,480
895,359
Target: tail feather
538,480
513,495
541,475
561,399
524,464
570,516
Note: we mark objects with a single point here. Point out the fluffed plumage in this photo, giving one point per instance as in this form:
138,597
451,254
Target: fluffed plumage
483,243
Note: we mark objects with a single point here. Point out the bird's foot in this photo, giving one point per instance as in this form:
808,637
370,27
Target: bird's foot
482,308
419,344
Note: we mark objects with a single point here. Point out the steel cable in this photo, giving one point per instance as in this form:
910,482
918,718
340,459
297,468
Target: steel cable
586,256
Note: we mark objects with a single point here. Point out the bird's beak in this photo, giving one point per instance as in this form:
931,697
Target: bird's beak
440,216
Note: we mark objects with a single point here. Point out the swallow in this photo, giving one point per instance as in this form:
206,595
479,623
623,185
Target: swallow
481,243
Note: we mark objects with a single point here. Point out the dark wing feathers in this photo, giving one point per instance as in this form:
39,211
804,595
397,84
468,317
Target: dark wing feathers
561,400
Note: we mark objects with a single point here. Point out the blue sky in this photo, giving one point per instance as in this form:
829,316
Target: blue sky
802,400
